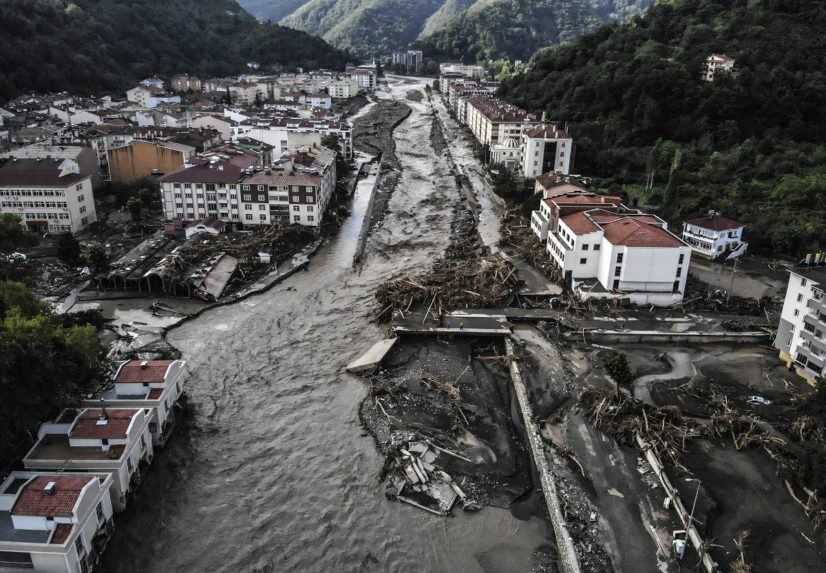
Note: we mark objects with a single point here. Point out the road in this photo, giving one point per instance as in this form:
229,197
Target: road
272,471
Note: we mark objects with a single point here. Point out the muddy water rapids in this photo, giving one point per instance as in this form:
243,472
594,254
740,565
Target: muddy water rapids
272,470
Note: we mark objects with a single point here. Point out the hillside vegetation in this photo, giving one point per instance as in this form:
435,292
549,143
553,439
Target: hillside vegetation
96,45
750,145
464,29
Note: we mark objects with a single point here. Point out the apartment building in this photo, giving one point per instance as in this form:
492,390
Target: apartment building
153,385
295,190
54,522
801,334
48,195
620,254
714,236
116,441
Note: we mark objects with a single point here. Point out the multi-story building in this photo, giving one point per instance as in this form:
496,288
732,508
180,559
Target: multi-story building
296,190
714,236
54,522
47,194
153,385
116,441
801,334
620,254
716,64
545,148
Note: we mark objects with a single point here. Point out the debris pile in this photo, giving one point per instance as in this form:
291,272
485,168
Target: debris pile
415,479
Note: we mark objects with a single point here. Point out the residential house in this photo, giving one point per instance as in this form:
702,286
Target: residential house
801,334
54,522
140,159
112,440
621,254
714,236
153,385
48,195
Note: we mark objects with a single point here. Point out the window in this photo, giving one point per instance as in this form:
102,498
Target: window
99,511
619,257
583,261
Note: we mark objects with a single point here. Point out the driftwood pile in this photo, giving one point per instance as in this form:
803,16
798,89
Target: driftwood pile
453,284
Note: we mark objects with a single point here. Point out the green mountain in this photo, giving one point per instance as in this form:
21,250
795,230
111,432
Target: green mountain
466,29
98,45
515,29
272,10
751,144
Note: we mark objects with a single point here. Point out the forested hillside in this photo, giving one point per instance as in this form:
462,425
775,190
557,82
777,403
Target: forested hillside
750,144
515,29
463,29
93,45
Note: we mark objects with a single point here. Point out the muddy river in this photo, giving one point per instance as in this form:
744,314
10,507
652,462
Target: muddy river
272,471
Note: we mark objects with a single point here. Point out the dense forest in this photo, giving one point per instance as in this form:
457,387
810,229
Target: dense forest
46,363
90,46
751,144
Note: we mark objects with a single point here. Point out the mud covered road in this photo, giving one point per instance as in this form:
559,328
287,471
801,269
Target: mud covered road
271,471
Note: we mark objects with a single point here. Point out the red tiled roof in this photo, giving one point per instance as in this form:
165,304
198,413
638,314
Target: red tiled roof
638,232
86,425
61,533
580,223
34,501
715,223
140,371
37,173
205,173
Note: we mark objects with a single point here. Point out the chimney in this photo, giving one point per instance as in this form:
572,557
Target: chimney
50,488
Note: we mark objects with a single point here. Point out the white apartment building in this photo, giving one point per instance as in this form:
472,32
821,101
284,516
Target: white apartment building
609,254
54,523
546,148
714,236
116,441
716,64
153,385
296,190
801,334
47,194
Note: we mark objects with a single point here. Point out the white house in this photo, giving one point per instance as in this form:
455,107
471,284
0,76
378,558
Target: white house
117,441
714,236
47,194
626,254
801,334
54,522
153,385
715,64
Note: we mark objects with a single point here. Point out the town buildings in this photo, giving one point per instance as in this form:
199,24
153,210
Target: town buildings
48,195
714,236
717,64
54,522
153,385
296,189
112,440
800,334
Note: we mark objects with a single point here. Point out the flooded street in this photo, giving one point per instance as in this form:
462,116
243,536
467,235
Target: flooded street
272,470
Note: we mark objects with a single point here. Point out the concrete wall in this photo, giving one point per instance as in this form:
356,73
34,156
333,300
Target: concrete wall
136,161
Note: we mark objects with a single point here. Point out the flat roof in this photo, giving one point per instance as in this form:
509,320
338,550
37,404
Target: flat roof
55,447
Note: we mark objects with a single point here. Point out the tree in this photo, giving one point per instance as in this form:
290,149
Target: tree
68,249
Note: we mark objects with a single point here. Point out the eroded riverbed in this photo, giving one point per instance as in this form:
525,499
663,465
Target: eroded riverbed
271,471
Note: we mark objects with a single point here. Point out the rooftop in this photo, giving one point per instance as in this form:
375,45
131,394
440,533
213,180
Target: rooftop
98,423
35,500
140,371
55,447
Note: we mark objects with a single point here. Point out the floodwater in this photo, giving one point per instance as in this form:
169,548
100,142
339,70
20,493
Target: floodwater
272,470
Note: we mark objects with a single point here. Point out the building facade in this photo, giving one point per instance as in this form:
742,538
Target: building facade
48,195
